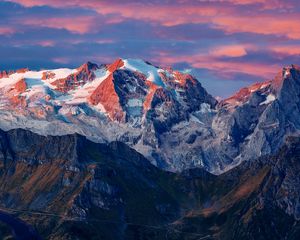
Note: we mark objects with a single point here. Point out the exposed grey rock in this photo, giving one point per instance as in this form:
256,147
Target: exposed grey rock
184,126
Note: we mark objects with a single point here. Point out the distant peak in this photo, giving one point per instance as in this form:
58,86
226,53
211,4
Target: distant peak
5,74
294,66
138,61
115,65
88,66
291,71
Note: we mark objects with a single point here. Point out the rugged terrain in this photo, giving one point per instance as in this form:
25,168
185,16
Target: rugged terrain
84,154
68,187
164,114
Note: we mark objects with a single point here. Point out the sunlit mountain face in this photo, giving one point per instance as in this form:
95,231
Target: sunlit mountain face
150,119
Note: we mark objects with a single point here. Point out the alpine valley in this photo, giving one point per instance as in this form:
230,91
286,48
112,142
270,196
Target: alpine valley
130,150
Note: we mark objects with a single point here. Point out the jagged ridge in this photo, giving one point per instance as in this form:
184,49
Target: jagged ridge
164,114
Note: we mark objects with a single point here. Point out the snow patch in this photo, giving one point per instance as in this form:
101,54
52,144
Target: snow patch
100,107
195,119
37,88
286,73
270,98
11,80
60,73
35,77
151,72
80,94
205,108
264,85
135,102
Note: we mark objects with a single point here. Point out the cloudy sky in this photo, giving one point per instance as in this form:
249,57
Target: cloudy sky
227,44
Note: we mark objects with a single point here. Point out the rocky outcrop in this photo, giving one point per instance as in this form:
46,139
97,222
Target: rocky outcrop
256,120
83,75
6,74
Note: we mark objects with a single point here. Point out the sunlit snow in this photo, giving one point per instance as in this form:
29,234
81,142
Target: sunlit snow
151,72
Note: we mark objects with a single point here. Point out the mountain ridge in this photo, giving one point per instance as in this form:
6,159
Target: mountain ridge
164,114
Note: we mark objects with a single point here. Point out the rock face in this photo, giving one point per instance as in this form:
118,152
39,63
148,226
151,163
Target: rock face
73,188
164,114
129,100
256,120
83,75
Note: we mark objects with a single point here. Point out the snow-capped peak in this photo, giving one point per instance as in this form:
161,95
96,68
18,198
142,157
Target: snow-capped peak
107,89
151,72
158,111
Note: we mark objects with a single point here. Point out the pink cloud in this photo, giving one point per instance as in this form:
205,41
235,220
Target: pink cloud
222,67
286,50
267,4
261,24
74,24
229,51
62,60
31,3
104,41
46,43
6,31
228,69
224,15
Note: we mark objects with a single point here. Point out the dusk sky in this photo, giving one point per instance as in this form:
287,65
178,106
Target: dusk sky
225,44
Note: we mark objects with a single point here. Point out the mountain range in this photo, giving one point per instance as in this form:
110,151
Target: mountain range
164,114
130,150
